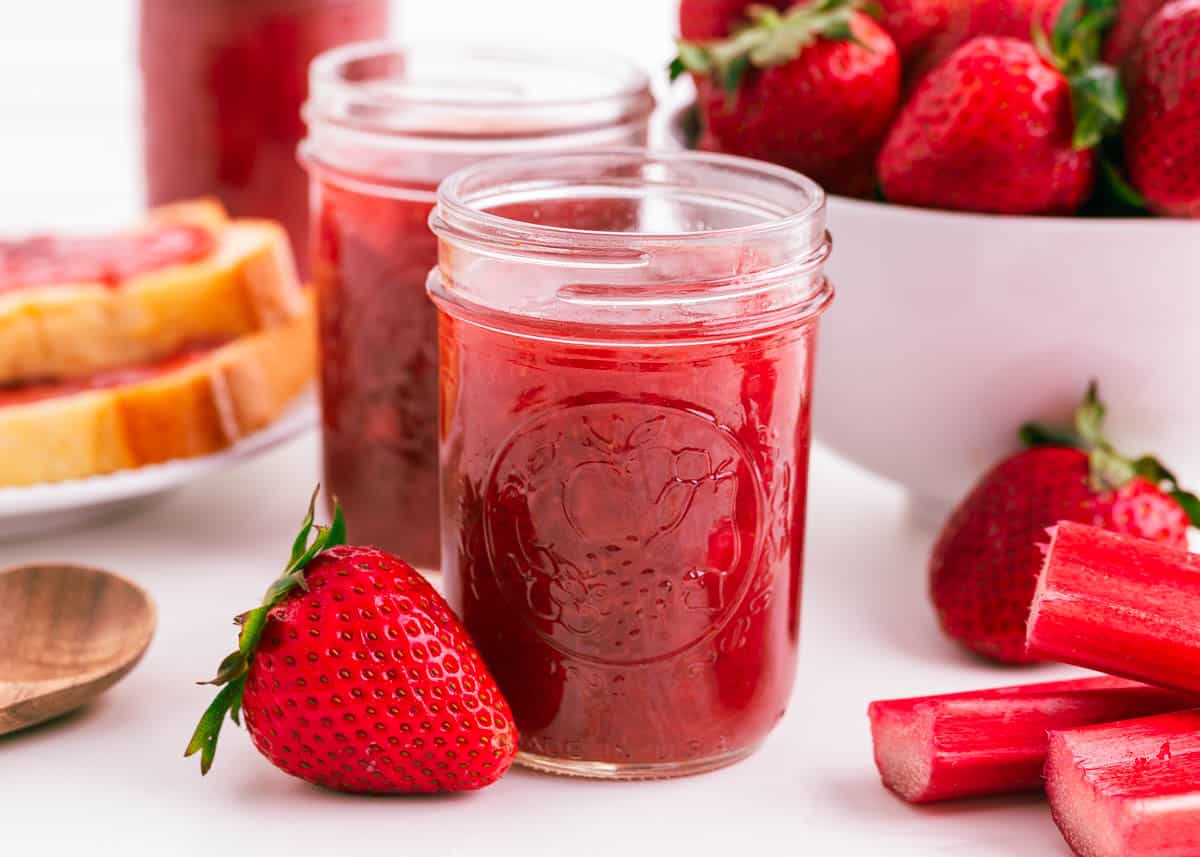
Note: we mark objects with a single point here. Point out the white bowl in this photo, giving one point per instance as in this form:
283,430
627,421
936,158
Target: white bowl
949,330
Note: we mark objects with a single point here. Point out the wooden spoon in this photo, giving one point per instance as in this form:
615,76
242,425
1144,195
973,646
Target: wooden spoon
67,634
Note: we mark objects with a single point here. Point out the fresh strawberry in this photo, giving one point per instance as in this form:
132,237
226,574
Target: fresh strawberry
985,564
813,89
355,675
1007,127
1162,134
1132,16
705,20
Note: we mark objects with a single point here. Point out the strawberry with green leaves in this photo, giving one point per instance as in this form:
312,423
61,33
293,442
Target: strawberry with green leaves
813,89
1162,133
985,564
355,675
1007,127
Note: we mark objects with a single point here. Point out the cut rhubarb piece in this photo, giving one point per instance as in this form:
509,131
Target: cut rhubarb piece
989,742
1120,605
1129,789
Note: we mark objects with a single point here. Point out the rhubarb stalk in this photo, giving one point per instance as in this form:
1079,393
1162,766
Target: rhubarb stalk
1120,605
994,741
1129,789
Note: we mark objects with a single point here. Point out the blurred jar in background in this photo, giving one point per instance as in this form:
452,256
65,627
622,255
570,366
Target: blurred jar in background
223,84
386,125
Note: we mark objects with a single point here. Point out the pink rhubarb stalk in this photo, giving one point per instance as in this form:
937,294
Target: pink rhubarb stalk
1129,789
994,741
1120,605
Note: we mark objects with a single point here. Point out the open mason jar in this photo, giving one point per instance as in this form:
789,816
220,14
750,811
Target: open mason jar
386,124
626,365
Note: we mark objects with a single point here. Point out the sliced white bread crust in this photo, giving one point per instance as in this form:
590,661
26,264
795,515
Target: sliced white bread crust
248,283
200,408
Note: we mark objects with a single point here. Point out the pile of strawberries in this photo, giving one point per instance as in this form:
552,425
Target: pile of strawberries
1001,106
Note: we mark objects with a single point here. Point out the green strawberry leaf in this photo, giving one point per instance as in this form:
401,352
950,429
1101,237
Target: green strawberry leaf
732,75
204,739
301,542
1151,469
1036,434
231,674
1073,47
1100,104
1118,186
1190,503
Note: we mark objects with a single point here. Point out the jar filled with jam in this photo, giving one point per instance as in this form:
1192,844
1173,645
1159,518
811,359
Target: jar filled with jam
627,346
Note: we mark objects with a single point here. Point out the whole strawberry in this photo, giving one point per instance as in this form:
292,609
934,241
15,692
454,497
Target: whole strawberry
355,675
704,20
1162,133
998,128
984,566
813,89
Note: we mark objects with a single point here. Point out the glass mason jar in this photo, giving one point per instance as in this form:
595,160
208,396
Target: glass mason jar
223,84
387,124
626,348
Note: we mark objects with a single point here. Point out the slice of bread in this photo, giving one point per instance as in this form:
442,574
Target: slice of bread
203,406
248,283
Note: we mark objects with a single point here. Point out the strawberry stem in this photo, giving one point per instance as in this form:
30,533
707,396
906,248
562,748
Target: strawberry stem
231,674
1109,468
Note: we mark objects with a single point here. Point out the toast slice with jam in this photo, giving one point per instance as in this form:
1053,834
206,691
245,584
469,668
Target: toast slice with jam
198,400
71,307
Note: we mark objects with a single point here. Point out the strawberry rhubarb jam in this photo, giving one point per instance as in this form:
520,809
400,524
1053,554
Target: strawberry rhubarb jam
386,125
626,361
223,83
48,260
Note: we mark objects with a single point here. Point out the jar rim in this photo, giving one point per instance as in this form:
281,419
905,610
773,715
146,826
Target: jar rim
474,90
458,213
752,260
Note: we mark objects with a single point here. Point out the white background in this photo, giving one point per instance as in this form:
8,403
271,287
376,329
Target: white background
111,779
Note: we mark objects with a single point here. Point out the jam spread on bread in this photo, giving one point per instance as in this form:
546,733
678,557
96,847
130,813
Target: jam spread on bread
47,260
26,393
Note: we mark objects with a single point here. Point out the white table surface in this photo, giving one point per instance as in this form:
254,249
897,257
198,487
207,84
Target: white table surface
111,779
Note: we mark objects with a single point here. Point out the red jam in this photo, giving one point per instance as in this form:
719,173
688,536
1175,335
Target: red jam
627,550
387,124
48,260
378,335
625,438
28,393
223,84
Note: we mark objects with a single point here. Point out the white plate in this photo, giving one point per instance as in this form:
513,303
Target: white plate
50,507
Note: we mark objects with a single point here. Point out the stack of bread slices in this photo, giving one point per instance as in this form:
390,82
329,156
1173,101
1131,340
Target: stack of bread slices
147,351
